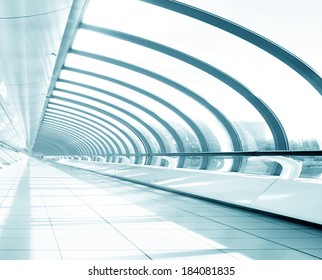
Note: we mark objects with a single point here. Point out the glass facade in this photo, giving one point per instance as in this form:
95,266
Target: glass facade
207,83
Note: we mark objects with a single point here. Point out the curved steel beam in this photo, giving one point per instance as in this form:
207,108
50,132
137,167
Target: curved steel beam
47,135
153,115
201,138
103,136
268,115
88,121
80,113
91,146
144,141
119,109
53,146
95,144
236,142
256,39
83,128
72,140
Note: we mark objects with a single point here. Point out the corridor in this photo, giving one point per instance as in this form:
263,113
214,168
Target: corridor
49,211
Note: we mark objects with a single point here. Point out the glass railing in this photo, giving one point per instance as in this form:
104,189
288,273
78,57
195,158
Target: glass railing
286,164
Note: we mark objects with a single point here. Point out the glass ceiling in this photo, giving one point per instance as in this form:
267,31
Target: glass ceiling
148,77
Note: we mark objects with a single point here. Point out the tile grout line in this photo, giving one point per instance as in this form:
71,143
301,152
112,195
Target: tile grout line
286,246
232,227
52,228
11,188
161,220
99,215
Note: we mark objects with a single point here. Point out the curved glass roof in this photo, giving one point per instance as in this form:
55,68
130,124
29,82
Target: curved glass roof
152,77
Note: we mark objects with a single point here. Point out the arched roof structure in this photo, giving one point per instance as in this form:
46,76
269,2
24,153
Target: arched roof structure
186,79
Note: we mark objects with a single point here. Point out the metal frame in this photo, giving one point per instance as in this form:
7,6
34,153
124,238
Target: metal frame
263,43
112,148
153,115
140,136
278,132
71,138
58,148
83,128
228,126
91,121
90,146
201,138
106,122
240,153
117,108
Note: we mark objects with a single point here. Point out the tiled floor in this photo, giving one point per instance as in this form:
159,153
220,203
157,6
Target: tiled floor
58,212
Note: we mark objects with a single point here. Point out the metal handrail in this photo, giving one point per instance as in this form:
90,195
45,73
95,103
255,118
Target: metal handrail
237,153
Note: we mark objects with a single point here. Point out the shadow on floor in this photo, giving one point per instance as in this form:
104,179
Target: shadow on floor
15,232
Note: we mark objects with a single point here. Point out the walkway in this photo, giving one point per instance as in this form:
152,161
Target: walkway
58,212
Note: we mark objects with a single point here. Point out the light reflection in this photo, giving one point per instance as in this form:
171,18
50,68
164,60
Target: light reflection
3,92
275,196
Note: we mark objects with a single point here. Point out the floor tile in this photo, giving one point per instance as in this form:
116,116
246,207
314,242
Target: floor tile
223,233
29,255
209,254
314,231
281,233
200,225
73,214
255,225
86,244
28,244
315,252
247,243
301,243
171,244
104,255
269,255
32,233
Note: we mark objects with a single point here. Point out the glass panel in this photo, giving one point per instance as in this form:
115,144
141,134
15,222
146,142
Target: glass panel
311,166
162,111
178,99
194,79
149,104
295,102
254,165
277,21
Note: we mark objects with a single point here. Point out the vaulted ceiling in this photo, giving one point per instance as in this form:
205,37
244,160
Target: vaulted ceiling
142,77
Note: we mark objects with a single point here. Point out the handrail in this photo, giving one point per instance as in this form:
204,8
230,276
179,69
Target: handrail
228,154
